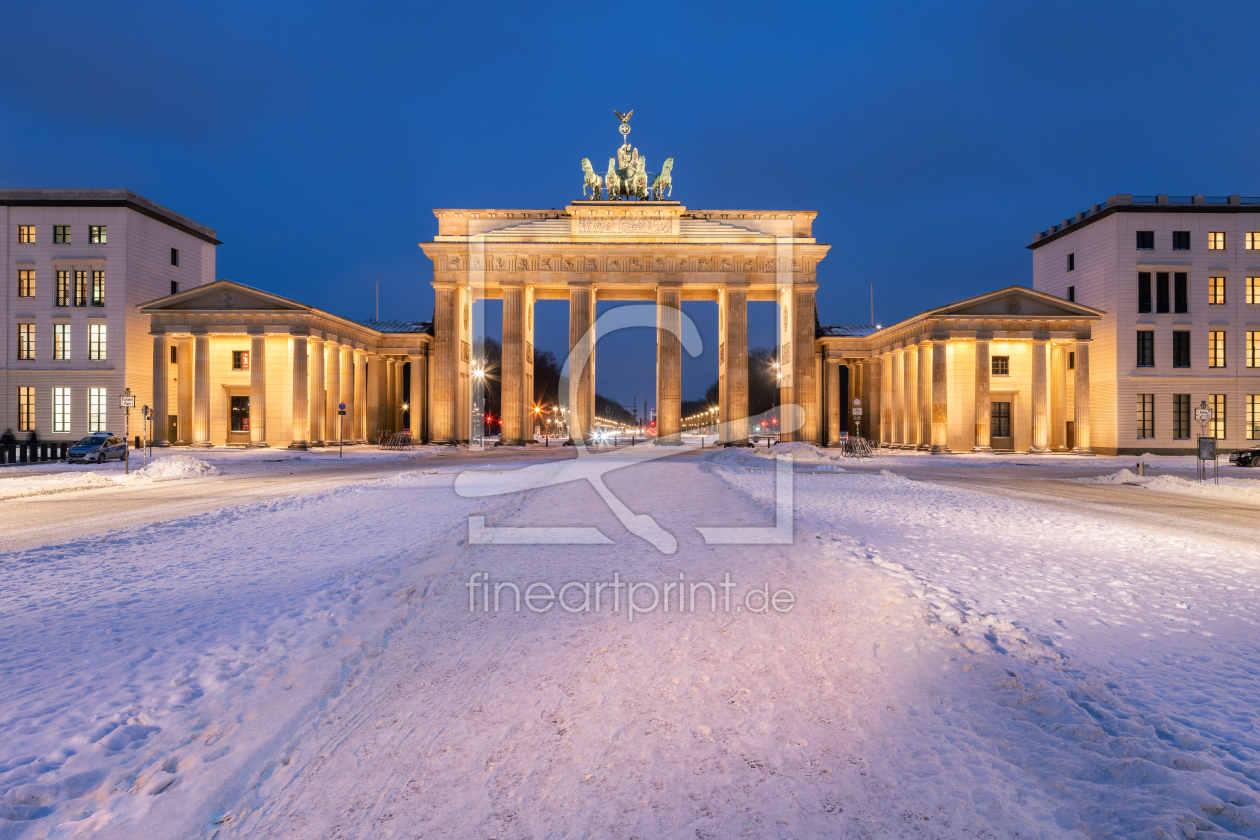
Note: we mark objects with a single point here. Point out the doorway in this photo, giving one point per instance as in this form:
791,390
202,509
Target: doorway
1000,425
238,420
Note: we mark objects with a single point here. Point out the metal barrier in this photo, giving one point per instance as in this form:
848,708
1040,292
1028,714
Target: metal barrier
856,447
34,453
399,440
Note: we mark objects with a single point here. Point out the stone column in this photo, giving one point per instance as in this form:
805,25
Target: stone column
984,407
258,390
940,398
400,371
896,389
924,404
347,393
1081,417
184,372
870,400
1040,397
201,391
301,395
161,372
1058,398
332,396
833,402
882,383
419,397
360,396
668,366
804,374
910,397
318,400
512,400
582,382
445,362
389,399
374,413
733,365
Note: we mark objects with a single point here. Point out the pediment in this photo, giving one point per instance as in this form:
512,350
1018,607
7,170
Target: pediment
224,296
1018,302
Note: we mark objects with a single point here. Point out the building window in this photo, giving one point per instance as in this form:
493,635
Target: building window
1146,240
26,283
98,288
1216,240
175,257
1001,366
1253,349
1253,417
80,288
174,287
1253,240
26,341
96,235
1216,290
1146,348
1253,290
26,408
63,288
61,342
1072,361
1181,292
96,342
26,234
1161,292
1071,262
61,410
174,354
1181,240
1181,349
1144,291
96,409
1216,428
61,234
1181,416
1145,416
1072,293
240,414
1216,349
240,360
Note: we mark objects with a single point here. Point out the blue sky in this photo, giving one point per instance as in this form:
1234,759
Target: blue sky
933,139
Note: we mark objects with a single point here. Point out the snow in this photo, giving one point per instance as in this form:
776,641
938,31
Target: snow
957,664
1233,489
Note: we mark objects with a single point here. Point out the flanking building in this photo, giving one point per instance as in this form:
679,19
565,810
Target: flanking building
1178,281
77,264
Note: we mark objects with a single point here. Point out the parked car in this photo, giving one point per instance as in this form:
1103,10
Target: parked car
97,448
1246,457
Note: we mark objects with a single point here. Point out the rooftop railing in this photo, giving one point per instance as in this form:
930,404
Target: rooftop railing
1162,200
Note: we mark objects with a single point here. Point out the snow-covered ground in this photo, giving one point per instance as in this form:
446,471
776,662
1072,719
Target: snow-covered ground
954,664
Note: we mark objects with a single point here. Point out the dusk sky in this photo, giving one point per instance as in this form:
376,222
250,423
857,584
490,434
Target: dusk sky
933,139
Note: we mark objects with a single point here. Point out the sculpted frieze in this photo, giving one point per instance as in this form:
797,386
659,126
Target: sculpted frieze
631,224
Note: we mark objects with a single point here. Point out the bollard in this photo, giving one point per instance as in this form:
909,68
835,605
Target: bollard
1141,468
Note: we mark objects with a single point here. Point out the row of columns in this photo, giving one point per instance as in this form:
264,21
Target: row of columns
325,373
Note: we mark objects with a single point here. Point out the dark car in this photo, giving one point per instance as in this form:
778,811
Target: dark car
97,448
1246,457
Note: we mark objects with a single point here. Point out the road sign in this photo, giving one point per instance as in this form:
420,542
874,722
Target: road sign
856,401
127,401
1207,449
341,407
1203,415
857,412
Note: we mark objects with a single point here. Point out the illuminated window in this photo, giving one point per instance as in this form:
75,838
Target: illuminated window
26,341
96,342
96,235
1216,240
1253,240
26,283
26,408
1253,290
1216,290
1181,348
1253,417
1146,348
1216,428
240,360
80,288
1146,240
63,288
1253,349
1216,349
98,288
1181,417
1145,416
1181,240
96,409
1001,366
61,342
61,234
61,409
26,234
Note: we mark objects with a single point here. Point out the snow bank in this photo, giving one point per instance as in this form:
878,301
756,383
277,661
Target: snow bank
60,482
1235,489
764,458
174,467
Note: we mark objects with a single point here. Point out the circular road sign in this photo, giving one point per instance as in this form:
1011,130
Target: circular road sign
856,401
341,406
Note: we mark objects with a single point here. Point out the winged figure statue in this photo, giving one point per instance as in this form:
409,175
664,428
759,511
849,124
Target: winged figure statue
624,117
